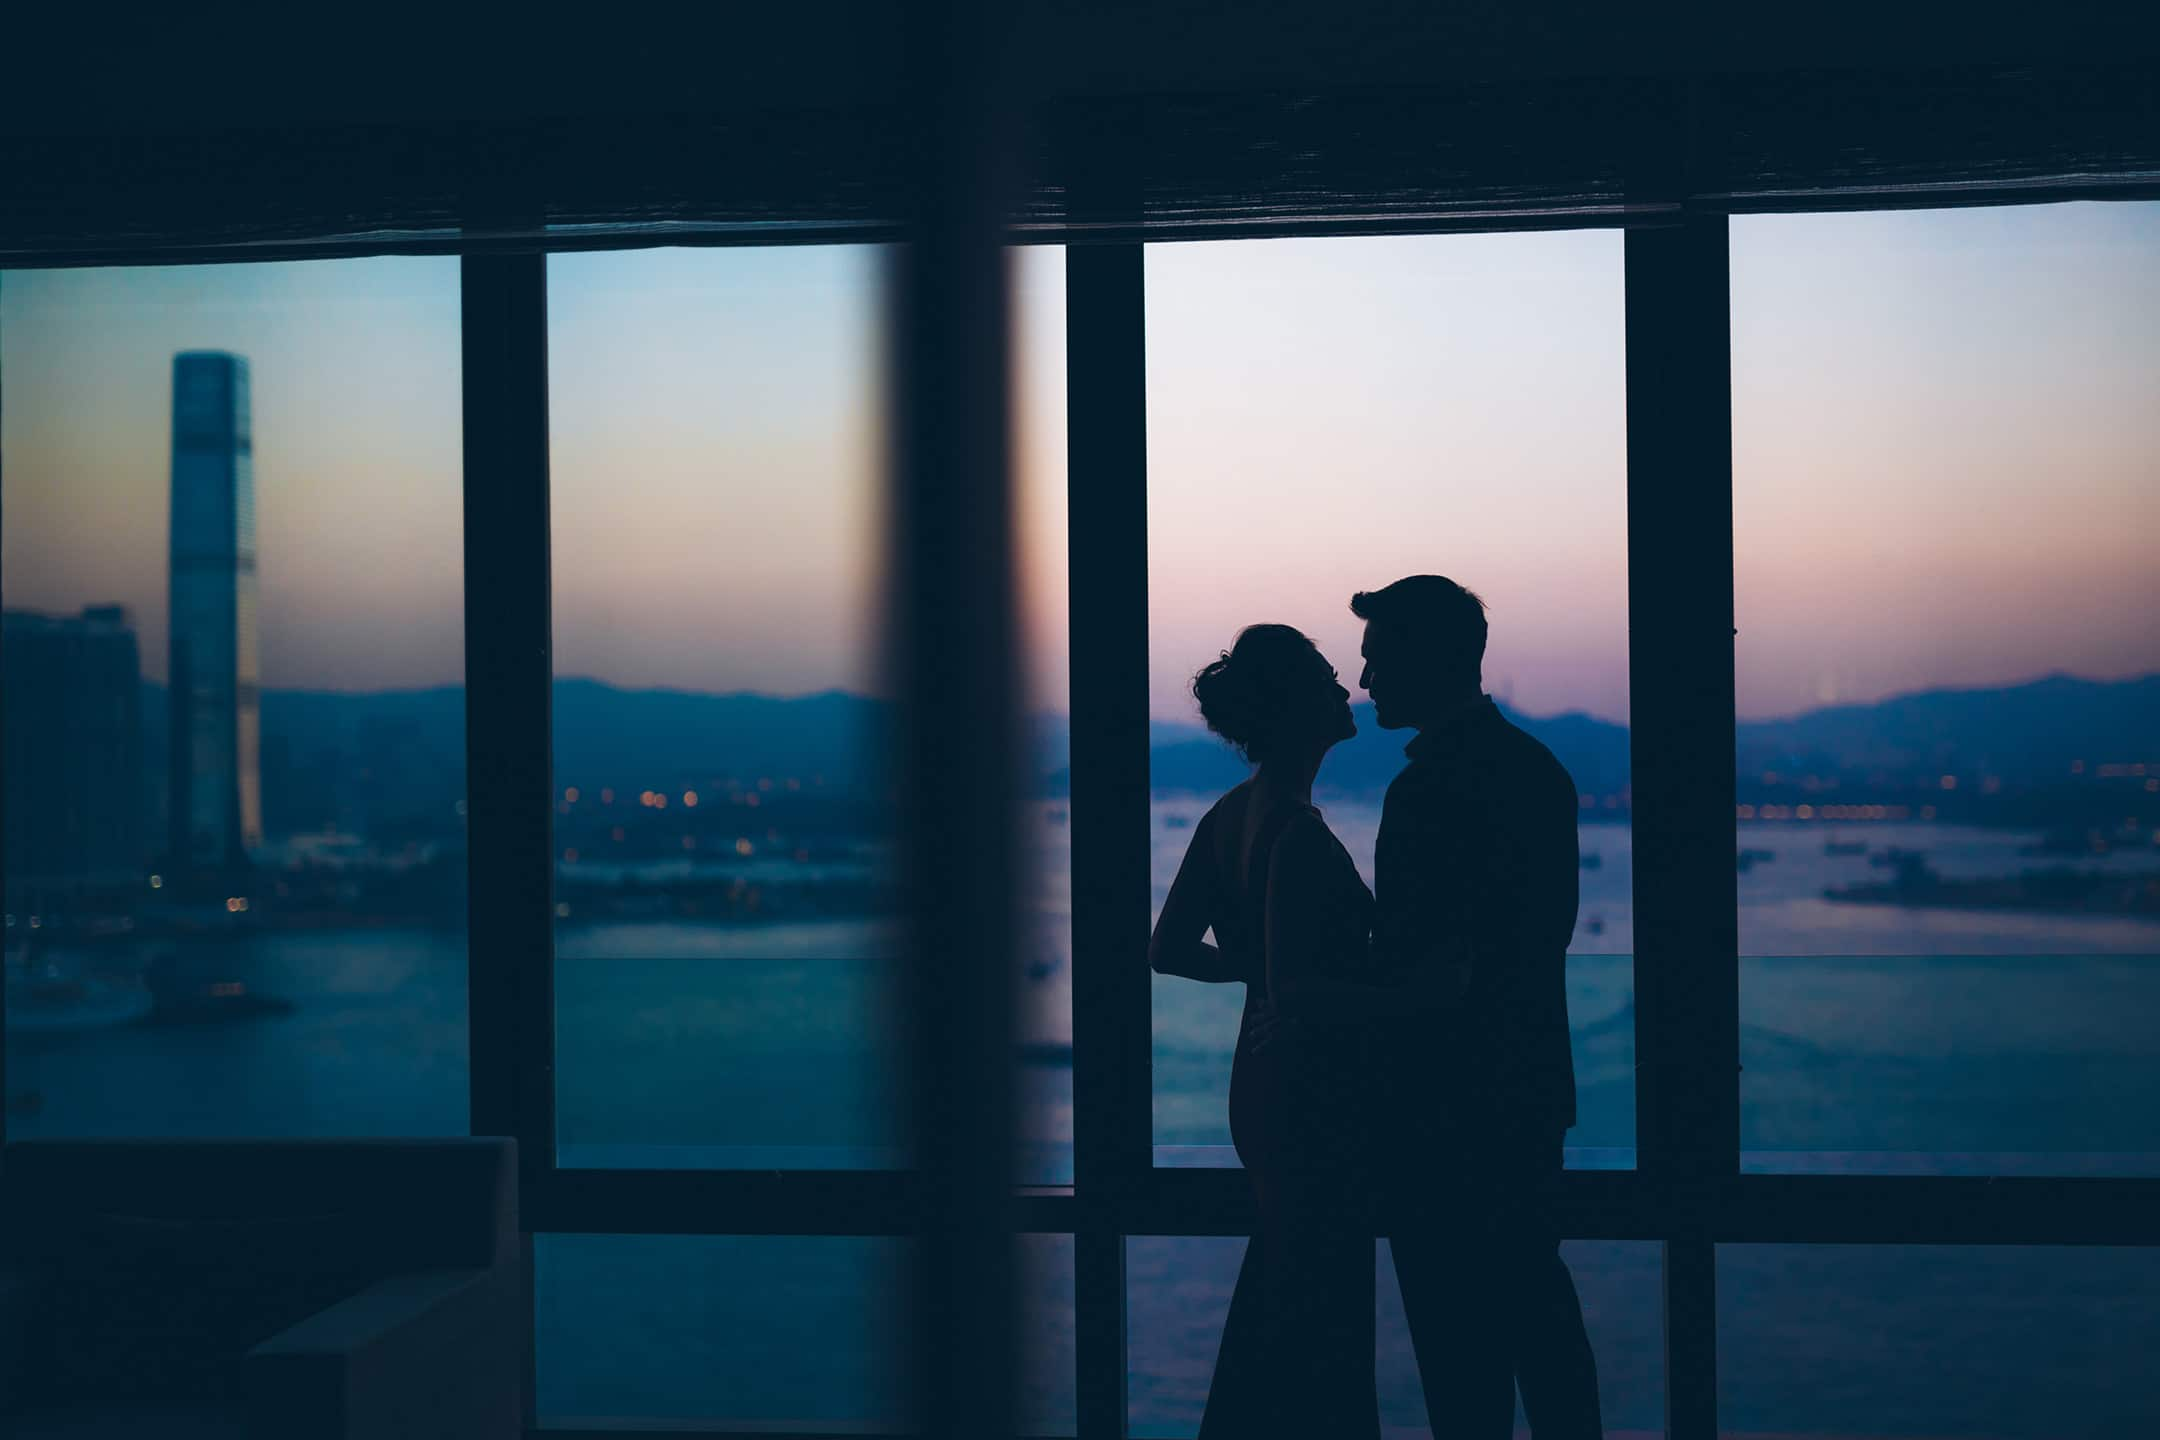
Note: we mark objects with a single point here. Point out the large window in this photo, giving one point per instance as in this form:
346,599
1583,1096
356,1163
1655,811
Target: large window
234,700
1944,518
1324,417
235,745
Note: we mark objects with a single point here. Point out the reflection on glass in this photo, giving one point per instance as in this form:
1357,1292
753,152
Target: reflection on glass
1949,750
1178,1296
2010,1342
727,991
653,1330
234,691
1326,416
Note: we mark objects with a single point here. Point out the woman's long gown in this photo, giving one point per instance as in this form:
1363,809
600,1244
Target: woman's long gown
1297,1348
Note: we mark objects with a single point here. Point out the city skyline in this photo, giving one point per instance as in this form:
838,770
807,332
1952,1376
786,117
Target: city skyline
74,761
1954,493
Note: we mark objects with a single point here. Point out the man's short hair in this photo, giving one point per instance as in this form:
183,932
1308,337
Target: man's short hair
1435,617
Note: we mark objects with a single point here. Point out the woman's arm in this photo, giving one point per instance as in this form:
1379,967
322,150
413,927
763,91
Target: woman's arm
1176,947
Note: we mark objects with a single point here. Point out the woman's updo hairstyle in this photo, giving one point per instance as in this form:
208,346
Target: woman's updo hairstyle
1249,694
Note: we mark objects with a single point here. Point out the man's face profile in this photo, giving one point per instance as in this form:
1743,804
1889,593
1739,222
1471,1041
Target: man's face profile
1385,678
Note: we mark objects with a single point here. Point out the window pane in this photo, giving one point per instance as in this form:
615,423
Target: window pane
2051,1344
1179,1292
235,709
1949,687
1049,1378
683,1327
772,1332
726,984
1327,416
1045,1077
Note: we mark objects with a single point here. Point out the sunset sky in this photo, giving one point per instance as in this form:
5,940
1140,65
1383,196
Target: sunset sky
1947,456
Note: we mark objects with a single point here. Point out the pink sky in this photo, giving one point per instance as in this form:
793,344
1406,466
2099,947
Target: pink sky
1947,462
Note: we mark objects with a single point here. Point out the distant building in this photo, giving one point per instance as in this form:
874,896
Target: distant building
74,762
215,810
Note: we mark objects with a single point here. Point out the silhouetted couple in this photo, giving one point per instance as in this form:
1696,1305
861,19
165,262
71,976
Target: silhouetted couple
1403,1060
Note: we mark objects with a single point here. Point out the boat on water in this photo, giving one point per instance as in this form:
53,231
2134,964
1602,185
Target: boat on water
2069,840
59,992
212,1002
48,994
1591,860
2061,889
1746,860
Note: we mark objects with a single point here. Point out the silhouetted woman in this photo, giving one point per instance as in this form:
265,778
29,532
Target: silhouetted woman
1291,920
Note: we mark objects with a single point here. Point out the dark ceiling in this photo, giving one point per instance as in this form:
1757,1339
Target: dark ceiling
192,136
186,68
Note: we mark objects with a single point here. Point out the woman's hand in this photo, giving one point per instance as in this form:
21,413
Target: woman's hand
1441,977
1264,1025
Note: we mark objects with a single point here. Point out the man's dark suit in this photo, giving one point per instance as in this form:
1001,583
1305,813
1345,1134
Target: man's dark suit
1477,844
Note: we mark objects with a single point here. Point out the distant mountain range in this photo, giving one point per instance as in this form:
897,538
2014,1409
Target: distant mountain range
408,746
1187,757
2022,733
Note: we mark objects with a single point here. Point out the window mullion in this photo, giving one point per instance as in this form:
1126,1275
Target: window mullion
1680,648
1681,697
508,681
1107,509
509,677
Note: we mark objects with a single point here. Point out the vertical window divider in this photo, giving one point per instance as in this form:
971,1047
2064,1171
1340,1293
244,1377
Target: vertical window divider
509,759
1113,1149
1107,421
1680,613
509,783
954,656
4,1091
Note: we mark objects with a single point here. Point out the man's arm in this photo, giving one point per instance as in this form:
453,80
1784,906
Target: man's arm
1424,939
1547,867
1531,883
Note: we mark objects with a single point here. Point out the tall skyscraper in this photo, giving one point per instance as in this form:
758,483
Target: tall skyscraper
216,681
73,693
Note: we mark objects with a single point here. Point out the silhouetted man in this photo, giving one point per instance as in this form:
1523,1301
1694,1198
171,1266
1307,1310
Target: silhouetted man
1475,878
